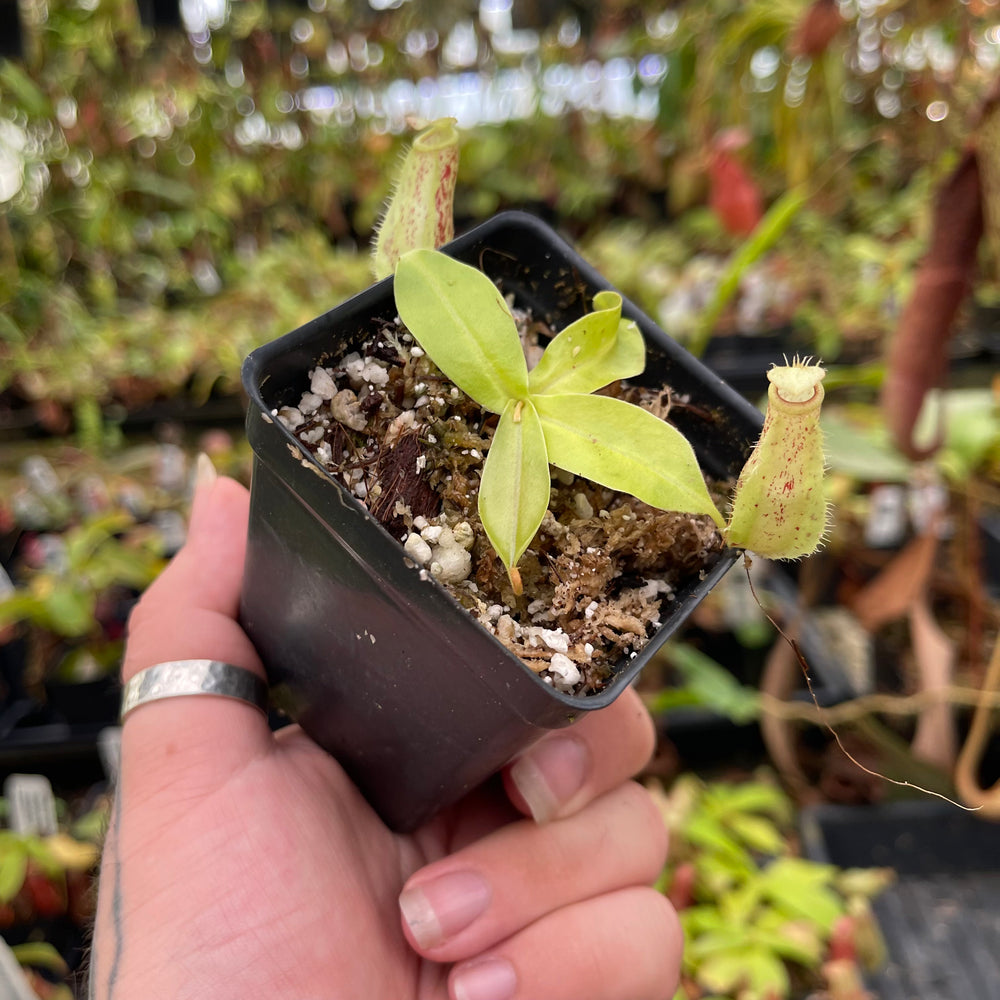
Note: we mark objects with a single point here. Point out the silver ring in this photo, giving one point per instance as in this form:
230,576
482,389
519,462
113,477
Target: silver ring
178,678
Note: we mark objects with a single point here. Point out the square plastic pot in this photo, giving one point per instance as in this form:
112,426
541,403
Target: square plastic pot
380,667
939,918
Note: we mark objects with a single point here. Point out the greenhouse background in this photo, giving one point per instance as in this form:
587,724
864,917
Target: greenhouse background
183,181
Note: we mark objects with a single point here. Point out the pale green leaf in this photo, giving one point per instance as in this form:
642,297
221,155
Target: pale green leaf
751,797
625,448
710,836
724,971
461,320
710,684
515,488
21,606
70,609
701,919
40,955
13,867
766,973
725,939
758,833
797,941
801,890
769,230
591,352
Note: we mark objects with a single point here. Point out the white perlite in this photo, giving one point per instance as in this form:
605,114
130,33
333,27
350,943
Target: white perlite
291,417
363,371
437,548
451,563
344,408
310,403
417,549
565,674
556,639
322,384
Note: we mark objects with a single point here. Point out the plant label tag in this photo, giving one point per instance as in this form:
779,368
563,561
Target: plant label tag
41,477
886,525
32,805
928,503
109,749
172,528
13,984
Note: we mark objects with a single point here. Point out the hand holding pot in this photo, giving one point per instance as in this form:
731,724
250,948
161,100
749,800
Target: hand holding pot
244,864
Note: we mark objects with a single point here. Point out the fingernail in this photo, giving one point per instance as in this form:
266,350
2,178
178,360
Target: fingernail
439,909
492,979
204,473
550,774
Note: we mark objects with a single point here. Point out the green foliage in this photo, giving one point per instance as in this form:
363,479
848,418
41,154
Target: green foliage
52,856
769,230
149,162
41,955
13,865
63,600
756,918
461,320
706,684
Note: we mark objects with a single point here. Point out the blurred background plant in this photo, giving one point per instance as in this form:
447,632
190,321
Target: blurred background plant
760,922
158,187
180,182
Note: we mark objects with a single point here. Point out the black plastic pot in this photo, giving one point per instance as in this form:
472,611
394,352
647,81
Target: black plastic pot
382,668
940,919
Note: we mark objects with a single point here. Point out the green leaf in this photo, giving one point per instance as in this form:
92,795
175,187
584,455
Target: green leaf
862,451
769,230
758,833
40,955
70,610
712,685
13,867
753,797
588,354
726,939
515,488
24,90
797,941
698,920
800,889
151,183
723,972
461,320
766,974
708,834
21,606
625,448
741,903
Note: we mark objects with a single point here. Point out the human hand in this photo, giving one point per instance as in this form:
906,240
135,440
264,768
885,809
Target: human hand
243,864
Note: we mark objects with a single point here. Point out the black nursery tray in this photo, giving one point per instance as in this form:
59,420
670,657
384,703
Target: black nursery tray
941,919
